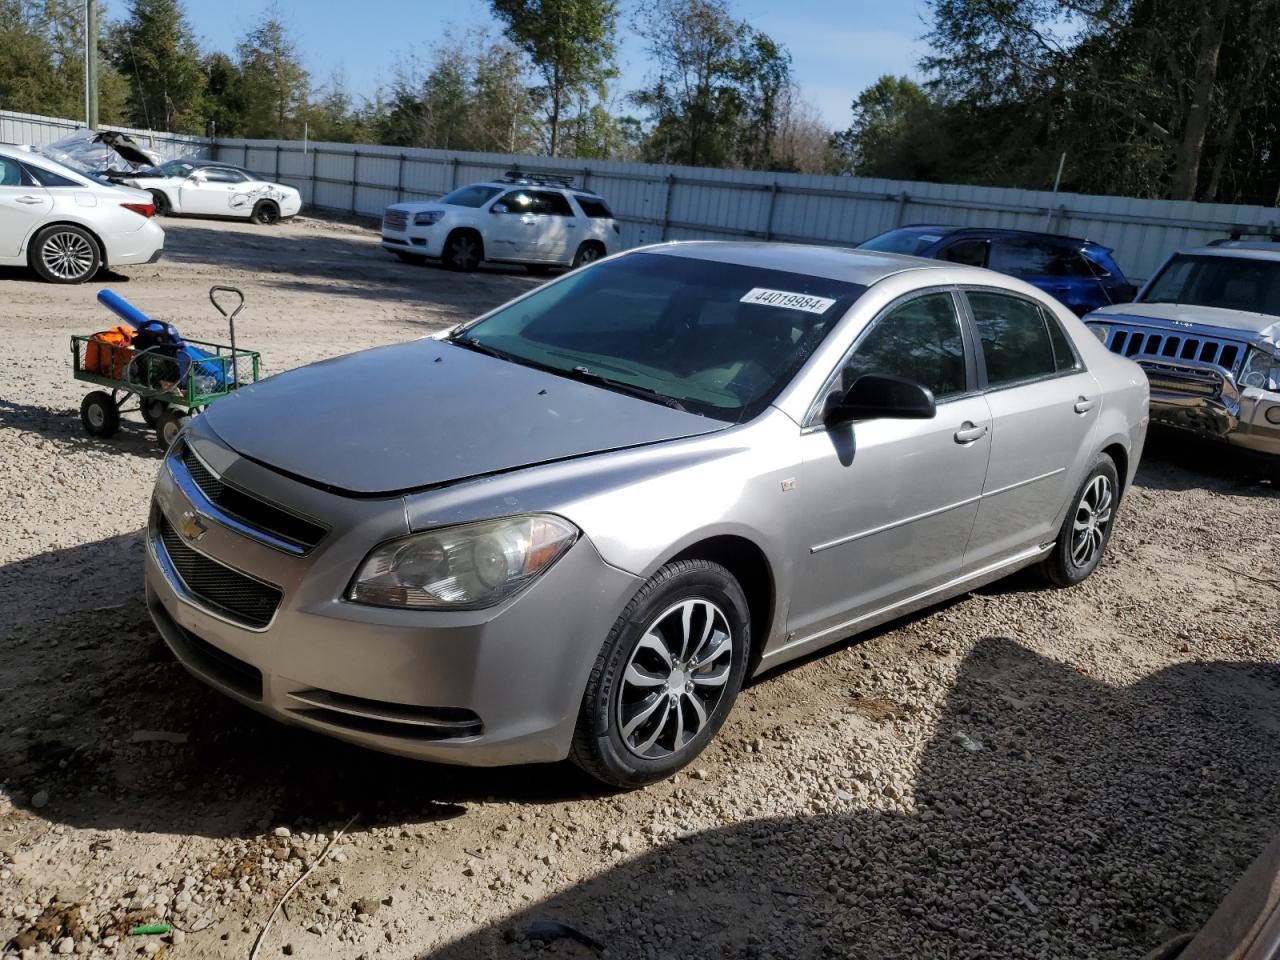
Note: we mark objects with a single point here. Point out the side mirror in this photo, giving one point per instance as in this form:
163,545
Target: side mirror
499,208
197,178
878,396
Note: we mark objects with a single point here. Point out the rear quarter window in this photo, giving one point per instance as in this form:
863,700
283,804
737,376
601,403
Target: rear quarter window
593,207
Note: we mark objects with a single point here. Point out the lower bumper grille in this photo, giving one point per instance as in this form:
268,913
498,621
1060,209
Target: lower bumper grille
235,595
203,657
403,721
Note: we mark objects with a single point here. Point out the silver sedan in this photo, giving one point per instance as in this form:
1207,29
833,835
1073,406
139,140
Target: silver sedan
575,526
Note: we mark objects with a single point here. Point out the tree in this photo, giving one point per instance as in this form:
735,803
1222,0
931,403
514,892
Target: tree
273,83
155,50
892,120
713,97
571,45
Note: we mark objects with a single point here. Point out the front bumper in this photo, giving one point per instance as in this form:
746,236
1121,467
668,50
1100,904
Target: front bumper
484,687
417,241
1205,399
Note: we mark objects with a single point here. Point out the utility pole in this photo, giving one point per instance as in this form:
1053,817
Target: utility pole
91,64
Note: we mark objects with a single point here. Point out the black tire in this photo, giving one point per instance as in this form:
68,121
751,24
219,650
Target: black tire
168,425
265,213
588,252
1078,551
413,258
99,414
601,746
161,201
463,251
65,253
152,410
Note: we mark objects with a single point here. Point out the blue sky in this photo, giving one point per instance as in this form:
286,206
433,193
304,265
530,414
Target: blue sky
838,46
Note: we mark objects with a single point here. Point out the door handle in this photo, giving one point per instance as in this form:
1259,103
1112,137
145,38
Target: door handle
29,200
1084,405
968,432
528,221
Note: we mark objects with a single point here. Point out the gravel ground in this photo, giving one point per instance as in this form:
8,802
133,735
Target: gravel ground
1019,773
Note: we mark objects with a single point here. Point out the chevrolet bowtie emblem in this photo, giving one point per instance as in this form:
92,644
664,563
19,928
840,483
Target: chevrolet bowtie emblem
191,526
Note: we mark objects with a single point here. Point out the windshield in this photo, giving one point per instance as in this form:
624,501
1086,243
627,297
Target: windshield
719,339
470,196
912,240
176,168
1233,283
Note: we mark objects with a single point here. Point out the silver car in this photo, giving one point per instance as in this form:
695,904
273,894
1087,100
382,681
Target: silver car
575,526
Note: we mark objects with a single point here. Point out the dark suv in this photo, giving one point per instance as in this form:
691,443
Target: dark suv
1080,273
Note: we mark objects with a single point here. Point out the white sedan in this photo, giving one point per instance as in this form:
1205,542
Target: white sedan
66,224
208,189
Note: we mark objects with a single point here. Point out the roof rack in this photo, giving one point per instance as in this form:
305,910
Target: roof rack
541,179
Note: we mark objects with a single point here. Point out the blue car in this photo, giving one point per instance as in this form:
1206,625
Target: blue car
1080,273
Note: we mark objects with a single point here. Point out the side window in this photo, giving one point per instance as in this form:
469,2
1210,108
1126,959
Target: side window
919,340
972,253
1026,257
1064,355
47,178
593,207
1015,339
223,175
519,201
552,204
10,173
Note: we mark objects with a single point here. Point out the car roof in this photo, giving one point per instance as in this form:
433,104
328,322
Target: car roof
1238,250
863,267
507,184
949,230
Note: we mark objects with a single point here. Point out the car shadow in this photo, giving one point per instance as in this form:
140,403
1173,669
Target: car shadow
1121,796
1177,460
63,427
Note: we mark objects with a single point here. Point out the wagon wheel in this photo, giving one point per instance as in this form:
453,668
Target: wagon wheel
152,410
169,425
100,415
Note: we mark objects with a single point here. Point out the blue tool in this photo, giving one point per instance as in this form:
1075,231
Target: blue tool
123,309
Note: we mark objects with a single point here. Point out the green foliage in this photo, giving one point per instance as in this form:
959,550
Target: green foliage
273,85
155,50
714,96
571,46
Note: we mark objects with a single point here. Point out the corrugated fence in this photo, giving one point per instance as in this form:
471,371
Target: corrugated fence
662,202
37,130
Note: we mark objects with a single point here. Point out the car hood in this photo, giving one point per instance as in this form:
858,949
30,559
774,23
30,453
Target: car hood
428,413
1236,324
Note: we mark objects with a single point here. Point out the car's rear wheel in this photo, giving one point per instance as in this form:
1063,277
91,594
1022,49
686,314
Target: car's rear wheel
463,251
64,253
99,414
1086,531
667,676
265,213
588,252
161,201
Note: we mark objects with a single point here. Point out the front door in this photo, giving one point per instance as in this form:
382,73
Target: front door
517,231
22,206
1044,406
887,506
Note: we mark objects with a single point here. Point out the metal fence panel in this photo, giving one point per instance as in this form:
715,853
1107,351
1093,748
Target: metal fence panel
655,202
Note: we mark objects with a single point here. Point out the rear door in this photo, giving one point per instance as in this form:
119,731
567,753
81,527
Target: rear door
887,506
1044,406
23,205
1059,269
559,226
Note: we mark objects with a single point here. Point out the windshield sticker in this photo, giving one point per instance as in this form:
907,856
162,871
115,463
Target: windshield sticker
930,238
788,301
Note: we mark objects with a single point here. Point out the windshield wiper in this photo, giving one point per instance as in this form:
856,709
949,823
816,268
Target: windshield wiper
587,375
471,343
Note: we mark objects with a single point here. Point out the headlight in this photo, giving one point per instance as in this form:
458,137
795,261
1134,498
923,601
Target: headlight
466,567
1261,370
1101,332
427,217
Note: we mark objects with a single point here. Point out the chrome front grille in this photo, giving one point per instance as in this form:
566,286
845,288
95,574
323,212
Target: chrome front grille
233,595
255,514
1175,345
396,220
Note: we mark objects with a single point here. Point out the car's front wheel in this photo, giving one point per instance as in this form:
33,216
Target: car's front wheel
1086,531
463,251
667,676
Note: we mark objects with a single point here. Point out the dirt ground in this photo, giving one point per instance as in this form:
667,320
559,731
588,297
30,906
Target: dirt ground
1019,773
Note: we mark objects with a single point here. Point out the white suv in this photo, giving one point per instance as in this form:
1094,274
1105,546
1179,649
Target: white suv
540,221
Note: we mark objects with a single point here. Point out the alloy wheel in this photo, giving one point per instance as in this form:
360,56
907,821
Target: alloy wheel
464,254
675,678
1092,519
68,256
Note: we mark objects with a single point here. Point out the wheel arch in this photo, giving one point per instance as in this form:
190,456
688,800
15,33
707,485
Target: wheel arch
751,568
1120,456
168,197
464,228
